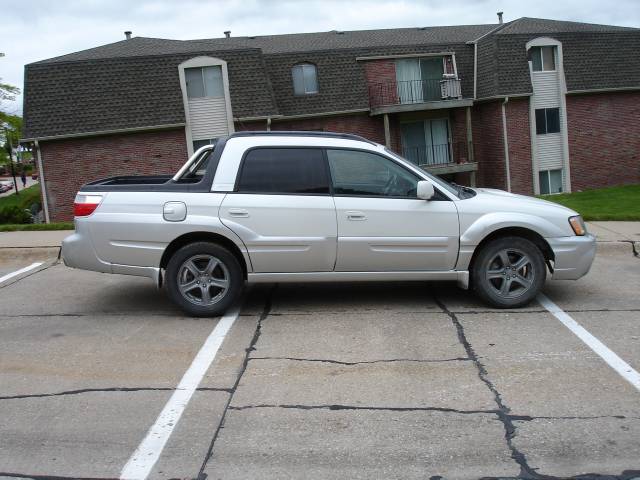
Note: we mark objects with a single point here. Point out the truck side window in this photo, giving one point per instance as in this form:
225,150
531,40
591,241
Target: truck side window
358,173
284,170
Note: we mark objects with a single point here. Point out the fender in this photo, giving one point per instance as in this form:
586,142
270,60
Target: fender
484,226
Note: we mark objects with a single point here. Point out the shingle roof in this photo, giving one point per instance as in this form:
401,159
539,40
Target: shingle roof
121,93
526,25
594,56
134,83
288,43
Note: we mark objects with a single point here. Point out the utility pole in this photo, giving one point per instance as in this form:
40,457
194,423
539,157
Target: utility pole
9,148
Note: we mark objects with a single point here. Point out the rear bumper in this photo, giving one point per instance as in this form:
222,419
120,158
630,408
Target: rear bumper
78,252
573,256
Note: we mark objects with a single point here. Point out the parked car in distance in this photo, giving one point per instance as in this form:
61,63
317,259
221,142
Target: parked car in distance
5,187
309,207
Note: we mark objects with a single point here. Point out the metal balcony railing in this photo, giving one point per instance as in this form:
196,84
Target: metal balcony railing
439,155
414,91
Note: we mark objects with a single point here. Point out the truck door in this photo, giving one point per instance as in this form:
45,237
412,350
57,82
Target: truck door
382,225
282,209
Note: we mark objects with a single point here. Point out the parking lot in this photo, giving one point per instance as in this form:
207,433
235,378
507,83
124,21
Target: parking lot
411,380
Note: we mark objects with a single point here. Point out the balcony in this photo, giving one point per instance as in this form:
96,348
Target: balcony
442,159
412,95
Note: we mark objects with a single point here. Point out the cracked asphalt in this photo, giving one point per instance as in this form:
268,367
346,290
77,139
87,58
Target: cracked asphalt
389,381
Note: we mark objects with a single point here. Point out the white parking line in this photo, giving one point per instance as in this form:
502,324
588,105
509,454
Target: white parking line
146,455
18,272
609,356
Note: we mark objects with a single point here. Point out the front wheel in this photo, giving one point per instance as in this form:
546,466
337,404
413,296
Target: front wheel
509,272
204,279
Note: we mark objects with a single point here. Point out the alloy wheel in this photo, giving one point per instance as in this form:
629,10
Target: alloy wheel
510,273
203,280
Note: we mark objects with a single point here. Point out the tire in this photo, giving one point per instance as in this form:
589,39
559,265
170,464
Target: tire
508,272
204,279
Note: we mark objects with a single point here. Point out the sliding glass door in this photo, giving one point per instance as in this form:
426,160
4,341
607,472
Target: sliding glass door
426,142
418,79
431,71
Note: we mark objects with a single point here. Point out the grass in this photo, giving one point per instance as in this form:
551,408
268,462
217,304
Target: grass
612,203
25,199
30,227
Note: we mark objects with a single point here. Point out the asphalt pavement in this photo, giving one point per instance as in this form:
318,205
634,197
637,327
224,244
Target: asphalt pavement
391,380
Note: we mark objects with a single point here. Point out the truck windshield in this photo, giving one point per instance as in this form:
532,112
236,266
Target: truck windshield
453,189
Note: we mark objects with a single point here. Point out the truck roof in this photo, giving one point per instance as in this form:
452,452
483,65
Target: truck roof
286,133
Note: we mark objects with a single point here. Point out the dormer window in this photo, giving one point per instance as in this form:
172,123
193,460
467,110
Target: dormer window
543,59
204,82
305,79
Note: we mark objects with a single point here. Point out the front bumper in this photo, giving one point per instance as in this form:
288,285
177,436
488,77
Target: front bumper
573,256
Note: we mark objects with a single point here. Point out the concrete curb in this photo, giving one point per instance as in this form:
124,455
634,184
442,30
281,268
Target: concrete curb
624,246
28,253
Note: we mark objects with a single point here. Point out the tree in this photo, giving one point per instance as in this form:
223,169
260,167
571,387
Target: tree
7,92
13,123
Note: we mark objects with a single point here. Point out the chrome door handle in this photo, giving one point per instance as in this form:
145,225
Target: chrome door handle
238,212
356,216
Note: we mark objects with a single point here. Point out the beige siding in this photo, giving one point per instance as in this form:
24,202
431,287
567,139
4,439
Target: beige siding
208,117
546,94
546,89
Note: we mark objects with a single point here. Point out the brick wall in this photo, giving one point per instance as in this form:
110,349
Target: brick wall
604,139
68,164
458,123
486,119
369,127
519,137
380,76
488,143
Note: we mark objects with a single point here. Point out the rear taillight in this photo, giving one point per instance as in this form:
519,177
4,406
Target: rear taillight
85,205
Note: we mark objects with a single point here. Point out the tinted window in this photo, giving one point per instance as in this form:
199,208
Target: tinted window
548,58
204,82
305,79
542,58
547,120
553,120
366,174
284,170
541,121
550,181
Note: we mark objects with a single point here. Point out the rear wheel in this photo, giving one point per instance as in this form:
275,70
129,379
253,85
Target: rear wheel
509,272
204,279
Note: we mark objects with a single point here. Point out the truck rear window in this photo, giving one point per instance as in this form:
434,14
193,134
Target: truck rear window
284,170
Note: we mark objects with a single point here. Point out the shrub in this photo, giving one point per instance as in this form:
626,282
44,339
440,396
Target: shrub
14,214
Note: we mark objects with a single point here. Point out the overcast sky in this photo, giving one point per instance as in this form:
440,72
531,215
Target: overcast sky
35,30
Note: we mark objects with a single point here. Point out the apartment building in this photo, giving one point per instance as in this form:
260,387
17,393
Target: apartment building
532,106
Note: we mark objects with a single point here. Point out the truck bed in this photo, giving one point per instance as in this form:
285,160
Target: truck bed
141,183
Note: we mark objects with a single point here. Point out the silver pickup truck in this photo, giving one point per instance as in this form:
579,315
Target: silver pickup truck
308,207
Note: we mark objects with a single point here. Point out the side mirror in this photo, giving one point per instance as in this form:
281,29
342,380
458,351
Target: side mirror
425,190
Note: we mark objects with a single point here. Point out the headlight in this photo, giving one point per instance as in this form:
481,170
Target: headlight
578,225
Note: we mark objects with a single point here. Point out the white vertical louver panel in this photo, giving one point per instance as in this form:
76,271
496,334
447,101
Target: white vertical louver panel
549,150
546,94
546,89
208,117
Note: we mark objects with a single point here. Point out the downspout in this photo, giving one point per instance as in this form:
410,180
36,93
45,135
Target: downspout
268,123
475,70
506,142
43,184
